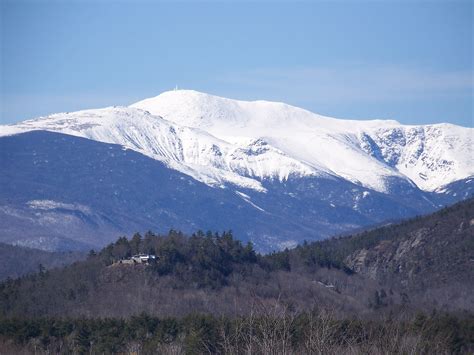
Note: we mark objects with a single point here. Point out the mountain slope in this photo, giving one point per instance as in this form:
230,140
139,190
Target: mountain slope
430,259
430,155
19,261
60,186
274,173
219,141
63,192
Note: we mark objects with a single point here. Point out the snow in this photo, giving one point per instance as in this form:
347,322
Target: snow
246,198
51,205
430,155
221,141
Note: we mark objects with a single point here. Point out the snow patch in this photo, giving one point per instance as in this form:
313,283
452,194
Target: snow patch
46,205
246,198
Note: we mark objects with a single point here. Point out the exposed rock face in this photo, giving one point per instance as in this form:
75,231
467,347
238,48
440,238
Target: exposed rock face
433,253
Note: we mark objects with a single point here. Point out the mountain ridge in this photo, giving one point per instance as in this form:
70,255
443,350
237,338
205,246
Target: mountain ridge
217,141
263,118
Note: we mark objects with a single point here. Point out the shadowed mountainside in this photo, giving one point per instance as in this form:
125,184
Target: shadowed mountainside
59,192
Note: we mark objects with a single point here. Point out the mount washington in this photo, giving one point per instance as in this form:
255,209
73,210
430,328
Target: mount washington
273,173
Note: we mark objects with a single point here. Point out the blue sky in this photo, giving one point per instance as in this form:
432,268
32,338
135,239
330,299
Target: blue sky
406,60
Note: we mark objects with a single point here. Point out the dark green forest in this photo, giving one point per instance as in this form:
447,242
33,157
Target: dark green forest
272,330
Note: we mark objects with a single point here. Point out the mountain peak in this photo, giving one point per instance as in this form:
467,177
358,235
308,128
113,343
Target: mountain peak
208,137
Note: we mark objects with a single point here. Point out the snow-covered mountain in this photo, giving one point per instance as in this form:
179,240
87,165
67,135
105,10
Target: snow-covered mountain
286,165
219,141
361,151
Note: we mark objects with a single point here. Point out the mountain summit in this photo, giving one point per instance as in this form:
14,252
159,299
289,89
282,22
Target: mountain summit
218,140
277,160
364,152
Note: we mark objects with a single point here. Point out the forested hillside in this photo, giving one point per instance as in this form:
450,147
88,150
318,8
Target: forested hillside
429,259
352,285
421,264
18,261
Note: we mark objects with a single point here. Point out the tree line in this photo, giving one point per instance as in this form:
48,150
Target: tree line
273,329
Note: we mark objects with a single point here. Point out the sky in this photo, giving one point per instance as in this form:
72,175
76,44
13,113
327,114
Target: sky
411,61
